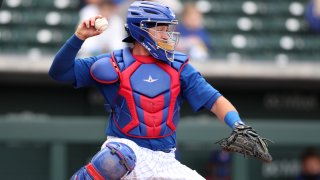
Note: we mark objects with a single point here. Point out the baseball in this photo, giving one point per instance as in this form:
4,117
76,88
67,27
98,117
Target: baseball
101,24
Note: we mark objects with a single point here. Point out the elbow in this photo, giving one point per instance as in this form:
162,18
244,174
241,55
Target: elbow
57,75
65,78
53,72
61,72
53,75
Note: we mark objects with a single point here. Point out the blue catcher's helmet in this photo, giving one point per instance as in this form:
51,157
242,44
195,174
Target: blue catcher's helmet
145,20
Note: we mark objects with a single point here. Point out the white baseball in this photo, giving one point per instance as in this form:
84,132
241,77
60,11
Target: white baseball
101,24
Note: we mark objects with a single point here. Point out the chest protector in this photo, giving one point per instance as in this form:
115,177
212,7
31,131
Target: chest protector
146,105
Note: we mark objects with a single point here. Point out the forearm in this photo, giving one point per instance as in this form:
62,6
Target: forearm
62,68
225,111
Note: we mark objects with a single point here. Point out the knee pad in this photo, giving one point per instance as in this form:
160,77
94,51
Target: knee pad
82,174
111,163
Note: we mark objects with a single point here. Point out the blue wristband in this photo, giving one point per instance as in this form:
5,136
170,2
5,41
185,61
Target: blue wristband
231,118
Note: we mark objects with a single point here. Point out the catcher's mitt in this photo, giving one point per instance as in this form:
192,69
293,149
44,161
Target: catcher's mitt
246,141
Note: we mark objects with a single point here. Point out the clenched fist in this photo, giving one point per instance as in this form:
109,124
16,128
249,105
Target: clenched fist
86,28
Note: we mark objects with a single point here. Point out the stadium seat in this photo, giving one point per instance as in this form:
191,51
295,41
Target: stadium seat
257,29
36,24
253,29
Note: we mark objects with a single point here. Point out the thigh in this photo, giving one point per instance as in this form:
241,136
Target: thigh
174,170
144,163
155,165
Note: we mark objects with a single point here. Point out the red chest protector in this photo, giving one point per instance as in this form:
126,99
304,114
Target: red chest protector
147,104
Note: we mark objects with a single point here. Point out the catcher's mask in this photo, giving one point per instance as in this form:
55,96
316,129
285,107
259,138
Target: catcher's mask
163,34
153,25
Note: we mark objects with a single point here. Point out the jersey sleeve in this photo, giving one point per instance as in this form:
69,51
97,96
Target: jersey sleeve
82,71
196,90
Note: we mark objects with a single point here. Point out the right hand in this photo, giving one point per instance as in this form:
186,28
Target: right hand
86,28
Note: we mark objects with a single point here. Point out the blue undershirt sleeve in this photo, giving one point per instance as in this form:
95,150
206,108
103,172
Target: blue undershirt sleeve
82,72
66,68
62,68
196,90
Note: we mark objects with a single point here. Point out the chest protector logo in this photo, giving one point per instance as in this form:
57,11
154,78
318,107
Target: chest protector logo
146,105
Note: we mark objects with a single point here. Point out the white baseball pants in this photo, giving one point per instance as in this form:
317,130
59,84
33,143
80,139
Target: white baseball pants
155,165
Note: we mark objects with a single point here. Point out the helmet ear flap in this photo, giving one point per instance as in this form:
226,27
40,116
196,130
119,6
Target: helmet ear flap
126,28
141,38
128,39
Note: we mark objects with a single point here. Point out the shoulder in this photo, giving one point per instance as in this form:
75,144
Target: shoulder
179,56
180,60
104,70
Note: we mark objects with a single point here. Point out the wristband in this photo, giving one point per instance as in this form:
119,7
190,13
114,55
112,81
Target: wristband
231,118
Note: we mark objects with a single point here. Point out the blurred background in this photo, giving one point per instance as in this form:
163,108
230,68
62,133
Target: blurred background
264,56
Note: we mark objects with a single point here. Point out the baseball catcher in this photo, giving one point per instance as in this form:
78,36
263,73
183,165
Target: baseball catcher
144,86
